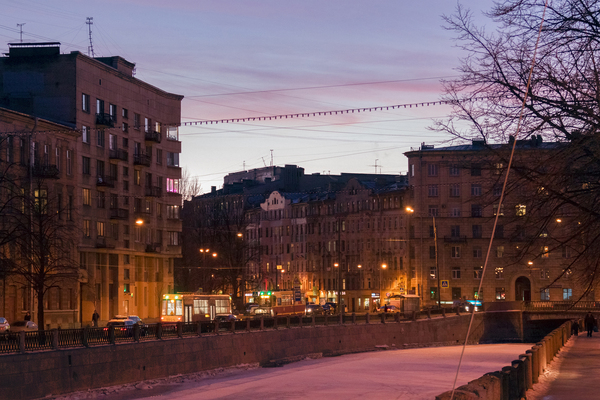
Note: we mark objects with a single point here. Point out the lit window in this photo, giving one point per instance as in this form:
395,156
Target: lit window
87,197
499,273
172,185
500,251
545,294
520,210
545,252
100,229
477,272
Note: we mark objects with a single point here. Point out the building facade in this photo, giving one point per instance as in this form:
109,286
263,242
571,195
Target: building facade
126,172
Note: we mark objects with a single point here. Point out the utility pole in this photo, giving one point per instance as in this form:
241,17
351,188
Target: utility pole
20,26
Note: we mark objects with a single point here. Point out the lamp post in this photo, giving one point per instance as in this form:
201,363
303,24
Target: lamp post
383,266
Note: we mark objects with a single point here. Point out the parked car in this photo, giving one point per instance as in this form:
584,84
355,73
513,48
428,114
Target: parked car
262,310
4,325
226,318
389,309
249,307
124,327
329,308
314,309
27,326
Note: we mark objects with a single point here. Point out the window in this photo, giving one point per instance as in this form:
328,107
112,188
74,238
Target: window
566,252
87,197
432,273
498,168
159,156
455,190
433,211
69,208
9,149
455,273
172,185
85,102
544,273
497,191
137,177
124,113
454,170
174,238
172,159
85,165
475,170
57,157
455,212
455,231
100,138
112,111
477,231
101,200
432,169
500,293
69,162
136,121
85,134
126,188
432,252
125,127
567,294
476,211
41,200
86,228
545,294
499,251
112,141
125,171
520,210
475,189
147,124
100,229
545,252
477,252
433,190
99,106
499,273
495,206
100,170
172,133
455,251
477,272
172,212
499,234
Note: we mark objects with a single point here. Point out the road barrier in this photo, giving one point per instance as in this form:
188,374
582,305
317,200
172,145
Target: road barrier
512,382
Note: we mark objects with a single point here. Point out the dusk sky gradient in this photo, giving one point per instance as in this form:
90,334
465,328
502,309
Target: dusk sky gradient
368,53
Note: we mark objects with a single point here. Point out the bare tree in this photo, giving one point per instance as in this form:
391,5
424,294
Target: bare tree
562,106
190,185
42,252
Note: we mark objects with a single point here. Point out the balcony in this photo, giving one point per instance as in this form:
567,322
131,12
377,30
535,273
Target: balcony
153,136
106,181
45,171
455,239
153,191
169,193
104,243
153,248
119,213
119,154
105,120
141,159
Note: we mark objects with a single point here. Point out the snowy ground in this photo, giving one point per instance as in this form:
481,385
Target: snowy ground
409,374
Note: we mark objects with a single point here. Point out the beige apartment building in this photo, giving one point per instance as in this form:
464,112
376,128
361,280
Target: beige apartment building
454,197
126,171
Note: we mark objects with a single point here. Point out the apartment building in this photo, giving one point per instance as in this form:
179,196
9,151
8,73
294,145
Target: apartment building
454,199
125,168
324,233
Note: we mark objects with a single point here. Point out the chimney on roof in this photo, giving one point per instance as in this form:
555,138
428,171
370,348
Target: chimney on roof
213,189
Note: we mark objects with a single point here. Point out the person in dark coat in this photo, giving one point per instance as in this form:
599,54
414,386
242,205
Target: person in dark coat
95,318
589,322
575,328
27,316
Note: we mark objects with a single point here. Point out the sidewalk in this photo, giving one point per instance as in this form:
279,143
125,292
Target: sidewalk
579,372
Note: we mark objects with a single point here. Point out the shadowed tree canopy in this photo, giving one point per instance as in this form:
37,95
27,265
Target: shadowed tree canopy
562,106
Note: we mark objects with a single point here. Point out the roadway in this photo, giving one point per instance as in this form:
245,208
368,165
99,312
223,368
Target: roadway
409,374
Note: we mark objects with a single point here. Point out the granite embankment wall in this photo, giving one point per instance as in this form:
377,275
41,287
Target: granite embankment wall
39,374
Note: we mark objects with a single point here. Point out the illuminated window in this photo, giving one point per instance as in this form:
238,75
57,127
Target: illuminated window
477,272
500,293
499,273
86,228
520,210
432,273
499,251
545,252
172,185
87,197
545,294
496,209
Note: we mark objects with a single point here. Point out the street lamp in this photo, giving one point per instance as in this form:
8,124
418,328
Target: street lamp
383,266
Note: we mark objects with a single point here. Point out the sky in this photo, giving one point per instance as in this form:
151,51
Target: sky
236,59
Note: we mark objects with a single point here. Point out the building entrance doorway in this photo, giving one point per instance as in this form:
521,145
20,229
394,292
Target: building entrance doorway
522,289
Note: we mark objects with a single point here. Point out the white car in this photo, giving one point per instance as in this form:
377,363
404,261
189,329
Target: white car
4,325
27,326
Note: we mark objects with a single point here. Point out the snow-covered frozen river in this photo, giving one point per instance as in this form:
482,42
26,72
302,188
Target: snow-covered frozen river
409,374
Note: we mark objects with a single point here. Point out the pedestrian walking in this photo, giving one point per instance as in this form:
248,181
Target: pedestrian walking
575,328
27,316
95,318
589,323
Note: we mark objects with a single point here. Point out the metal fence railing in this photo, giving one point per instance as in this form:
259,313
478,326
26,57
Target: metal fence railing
16,342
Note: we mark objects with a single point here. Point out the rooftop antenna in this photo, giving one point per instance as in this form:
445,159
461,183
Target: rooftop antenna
264,162
90,21
20,26
271,157
377,159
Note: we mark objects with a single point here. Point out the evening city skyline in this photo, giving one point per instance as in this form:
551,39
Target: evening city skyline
241,59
